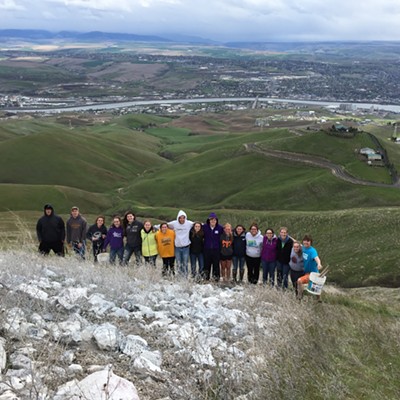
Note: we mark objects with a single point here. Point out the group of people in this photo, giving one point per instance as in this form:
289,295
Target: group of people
215,252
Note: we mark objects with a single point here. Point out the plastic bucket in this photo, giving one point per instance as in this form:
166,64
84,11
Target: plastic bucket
315,284
103,258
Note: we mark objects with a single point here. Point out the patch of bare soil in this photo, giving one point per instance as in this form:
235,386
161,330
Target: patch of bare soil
124,72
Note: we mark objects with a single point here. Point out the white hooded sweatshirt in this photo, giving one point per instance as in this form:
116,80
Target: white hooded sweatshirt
181,230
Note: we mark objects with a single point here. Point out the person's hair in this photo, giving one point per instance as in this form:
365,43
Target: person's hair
151,225
228,224
200,233
240,225
253,224
283,228
300,248
100,216
308,238
269,229
125,220
118,218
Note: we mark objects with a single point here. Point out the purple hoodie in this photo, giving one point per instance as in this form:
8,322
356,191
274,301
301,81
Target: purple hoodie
212,237
269,249
114,238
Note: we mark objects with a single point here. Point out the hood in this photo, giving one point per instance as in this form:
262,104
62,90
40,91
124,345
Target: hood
48,207
212,215
180,214
284,241
237,235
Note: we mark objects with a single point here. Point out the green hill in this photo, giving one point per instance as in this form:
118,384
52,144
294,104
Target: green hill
158,165
94,158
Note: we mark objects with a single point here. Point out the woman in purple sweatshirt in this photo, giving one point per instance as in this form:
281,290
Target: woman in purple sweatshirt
269,255
115,238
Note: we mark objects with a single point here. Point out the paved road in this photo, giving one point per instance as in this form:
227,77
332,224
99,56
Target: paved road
337,170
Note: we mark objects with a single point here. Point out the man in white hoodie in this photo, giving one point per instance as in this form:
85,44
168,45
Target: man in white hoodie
182,227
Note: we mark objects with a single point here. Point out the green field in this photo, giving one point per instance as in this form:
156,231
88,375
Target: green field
158,165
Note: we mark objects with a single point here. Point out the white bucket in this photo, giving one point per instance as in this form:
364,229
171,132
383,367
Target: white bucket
103,258
316,283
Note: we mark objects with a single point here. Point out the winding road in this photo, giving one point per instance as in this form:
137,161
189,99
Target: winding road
337,170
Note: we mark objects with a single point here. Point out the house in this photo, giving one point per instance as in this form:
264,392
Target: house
366,150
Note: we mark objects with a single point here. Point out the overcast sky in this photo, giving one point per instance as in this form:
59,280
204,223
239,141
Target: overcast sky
223,20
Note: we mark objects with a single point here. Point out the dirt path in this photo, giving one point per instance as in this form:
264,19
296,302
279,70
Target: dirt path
337,170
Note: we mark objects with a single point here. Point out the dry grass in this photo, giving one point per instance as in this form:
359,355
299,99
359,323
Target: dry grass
279,349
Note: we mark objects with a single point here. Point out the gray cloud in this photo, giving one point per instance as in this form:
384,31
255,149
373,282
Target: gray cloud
250,20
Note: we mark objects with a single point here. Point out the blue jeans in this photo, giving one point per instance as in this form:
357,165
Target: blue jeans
128,251
116,252
182,259
200,259
79,251
268,271
238,263
282,274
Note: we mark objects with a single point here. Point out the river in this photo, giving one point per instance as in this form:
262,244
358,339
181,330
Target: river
109,106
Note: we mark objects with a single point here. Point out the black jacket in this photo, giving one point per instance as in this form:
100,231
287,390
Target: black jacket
94,231
132,233
50,228
284,252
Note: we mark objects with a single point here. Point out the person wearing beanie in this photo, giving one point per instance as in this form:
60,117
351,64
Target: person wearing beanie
212,247
50,231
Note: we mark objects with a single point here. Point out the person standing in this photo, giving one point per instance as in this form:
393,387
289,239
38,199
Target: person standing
76,232
268,256
115,238
149,244
50,231
97,234
226,252
132,228
285,244
165,239
212,247
182,227
239,252
254,241
196,250
312,263
296,264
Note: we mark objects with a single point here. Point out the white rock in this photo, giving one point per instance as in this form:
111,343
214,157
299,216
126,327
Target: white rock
133,345
68,297
9,395
149,360
3,354
102,385
99,305
74,369
106,337
33,291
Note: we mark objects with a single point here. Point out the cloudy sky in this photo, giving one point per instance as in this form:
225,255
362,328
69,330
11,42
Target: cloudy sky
223,20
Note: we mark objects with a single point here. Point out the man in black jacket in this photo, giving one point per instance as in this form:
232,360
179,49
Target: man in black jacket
50,230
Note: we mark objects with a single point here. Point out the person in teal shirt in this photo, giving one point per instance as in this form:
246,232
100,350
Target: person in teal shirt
312,263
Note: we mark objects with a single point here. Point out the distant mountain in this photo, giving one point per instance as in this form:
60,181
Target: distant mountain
179,38
33,34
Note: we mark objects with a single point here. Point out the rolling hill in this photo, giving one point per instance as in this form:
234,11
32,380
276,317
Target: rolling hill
159,165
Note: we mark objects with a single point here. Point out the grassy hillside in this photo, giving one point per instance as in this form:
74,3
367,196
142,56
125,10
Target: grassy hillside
95,158
158,165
